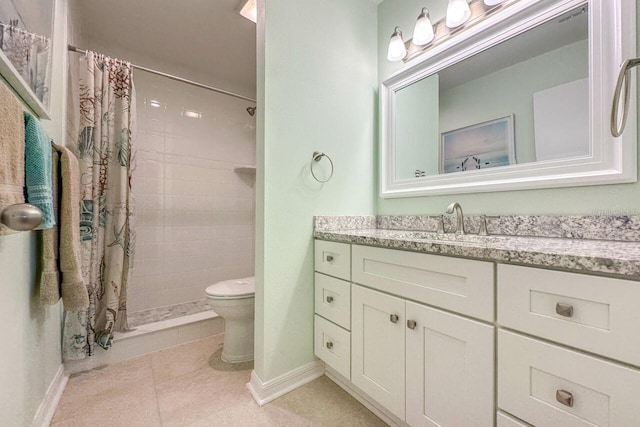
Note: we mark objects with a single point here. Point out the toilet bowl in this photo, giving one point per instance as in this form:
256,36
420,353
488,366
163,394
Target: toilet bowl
234,300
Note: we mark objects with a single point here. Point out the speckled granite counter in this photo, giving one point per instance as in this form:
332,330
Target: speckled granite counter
618,258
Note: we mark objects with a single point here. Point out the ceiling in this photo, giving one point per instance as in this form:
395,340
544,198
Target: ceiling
206,36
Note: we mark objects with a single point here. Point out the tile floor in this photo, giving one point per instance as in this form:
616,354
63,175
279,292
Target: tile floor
189,385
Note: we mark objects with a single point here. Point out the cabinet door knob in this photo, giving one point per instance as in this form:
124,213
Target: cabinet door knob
329,345
329,258
394,318
329,299
565,398
565,310
411,324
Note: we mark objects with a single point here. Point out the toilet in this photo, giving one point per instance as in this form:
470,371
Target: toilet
234,301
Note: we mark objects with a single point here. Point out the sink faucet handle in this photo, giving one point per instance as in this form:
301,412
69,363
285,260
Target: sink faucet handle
440,229
482,230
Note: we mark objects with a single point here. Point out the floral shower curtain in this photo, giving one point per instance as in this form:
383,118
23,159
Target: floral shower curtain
102,129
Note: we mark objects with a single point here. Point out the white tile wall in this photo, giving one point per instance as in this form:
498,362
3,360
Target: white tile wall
195,215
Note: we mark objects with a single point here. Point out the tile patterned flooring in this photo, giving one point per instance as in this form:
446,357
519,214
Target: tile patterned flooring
158,314
189,385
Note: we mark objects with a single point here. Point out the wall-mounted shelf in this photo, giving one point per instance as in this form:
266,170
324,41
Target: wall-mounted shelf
248,169
21,87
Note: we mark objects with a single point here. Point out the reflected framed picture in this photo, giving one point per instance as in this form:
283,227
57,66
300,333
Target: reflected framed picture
480,146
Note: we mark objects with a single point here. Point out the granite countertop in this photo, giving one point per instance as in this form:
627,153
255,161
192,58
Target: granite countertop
619,258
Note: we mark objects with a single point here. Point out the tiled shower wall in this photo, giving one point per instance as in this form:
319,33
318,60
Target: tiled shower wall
195,214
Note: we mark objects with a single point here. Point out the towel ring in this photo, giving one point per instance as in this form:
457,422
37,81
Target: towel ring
315,158
623,79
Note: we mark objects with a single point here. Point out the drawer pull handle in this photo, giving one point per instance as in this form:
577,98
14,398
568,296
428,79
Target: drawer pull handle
329,299
565,398
565,310
329,258
411,324
329,345
394,318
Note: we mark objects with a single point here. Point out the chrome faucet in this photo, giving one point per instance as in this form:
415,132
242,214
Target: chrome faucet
456,206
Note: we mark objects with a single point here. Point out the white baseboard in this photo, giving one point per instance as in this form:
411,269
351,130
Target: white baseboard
366,401
47,408
265,392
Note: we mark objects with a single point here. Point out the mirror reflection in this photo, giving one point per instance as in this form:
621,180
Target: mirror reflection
25,41
524,100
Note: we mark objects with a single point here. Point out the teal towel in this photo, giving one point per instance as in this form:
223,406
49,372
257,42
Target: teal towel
37,169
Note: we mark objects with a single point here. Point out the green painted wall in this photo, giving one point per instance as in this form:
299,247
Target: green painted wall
317,91
607,199
31,349
510,91
417,132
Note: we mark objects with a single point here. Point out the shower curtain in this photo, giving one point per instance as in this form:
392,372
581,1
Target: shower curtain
102,127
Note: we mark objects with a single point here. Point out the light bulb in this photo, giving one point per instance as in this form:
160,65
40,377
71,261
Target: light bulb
423,32
397,50
493,2
458,13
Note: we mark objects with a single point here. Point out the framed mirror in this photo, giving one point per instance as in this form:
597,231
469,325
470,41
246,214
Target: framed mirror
26,28
520,100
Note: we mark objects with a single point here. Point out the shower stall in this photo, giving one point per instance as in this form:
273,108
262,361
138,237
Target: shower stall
192,172
193,181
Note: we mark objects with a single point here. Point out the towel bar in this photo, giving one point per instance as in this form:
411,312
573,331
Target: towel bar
21,217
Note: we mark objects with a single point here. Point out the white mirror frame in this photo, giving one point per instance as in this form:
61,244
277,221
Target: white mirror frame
612,35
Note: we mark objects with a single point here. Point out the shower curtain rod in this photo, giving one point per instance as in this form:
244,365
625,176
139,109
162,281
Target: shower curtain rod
176,78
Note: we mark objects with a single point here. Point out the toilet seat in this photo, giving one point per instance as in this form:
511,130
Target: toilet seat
232,289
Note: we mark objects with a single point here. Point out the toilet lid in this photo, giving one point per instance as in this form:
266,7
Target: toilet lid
233,288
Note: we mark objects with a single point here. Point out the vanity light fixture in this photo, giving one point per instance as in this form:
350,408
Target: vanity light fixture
397,50
458,12
154,103
248,9
423,31
427,34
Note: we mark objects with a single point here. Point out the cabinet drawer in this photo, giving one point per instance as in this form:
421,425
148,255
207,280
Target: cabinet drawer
597,314
534,378
333,346
460,285
505,420
333,299
333,259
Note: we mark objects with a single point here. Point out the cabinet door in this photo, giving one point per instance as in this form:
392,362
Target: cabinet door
377,341
450,369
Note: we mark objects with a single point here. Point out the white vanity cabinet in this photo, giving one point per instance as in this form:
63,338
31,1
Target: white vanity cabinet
428,367
378,347
332,320
421,364
415,335
449,369
546,384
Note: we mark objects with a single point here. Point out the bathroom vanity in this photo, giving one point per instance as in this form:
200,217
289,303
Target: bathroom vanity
535,322
441,329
